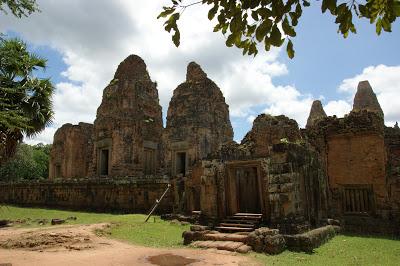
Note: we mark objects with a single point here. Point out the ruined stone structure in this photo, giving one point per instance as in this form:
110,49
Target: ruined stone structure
270,173
128,196
366,99
294,179
71,153
316,113
128,125
361,161
343,168
197,122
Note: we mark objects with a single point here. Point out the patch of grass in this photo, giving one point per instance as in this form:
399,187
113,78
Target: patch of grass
342,250
127,227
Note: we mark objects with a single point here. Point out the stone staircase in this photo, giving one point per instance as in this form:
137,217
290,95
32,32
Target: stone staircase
240,222
232,233
221,241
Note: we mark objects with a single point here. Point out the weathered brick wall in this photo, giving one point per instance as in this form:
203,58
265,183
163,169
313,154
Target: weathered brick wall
131,196
297,188
268,130
353,151
293,187
362,160
392,143
71,151
197,122
358,159
128,123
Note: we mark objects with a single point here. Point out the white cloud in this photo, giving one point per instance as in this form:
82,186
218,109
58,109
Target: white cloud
94,37
385,81
43,137
251,118
292,104
338,108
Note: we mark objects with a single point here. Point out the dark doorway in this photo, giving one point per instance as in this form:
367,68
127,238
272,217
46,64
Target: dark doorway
57,171
181,163
248,190
149,161
104,156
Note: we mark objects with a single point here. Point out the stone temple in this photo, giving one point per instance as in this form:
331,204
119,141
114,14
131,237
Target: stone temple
342,168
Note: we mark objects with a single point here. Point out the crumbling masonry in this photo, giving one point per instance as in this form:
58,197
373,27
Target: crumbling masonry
343,168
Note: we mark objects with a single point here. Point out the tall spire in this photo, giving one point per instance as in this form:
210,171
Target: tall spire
316,113
194,72
365,99
132,68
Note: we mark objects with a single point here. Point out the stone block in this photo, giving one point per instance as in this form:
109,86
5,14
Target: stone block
266,240
199,228
287,187
310,240
273,188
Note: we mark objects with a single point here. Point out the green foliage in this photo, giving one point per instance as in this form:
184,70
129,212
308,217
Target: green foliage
127,227
341,250
25,100
247,23
19,8
29,163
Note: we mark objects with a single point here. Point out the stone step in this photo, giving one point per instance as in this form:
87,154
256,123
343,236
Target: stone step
237,225
223,245
251,222
245,217
248,214
233,229
226,237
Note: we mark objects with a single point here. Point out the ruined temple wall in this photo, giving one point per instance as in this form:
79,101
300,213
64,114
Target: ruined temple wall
94,195
358,159
297,188
268,130
392,144
293,188
71,151
197,122
361,160
353,151
124,148
128,125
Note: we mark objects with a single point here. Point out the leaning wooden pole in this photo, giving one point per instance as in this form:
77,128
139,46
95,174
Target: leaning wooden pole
157,203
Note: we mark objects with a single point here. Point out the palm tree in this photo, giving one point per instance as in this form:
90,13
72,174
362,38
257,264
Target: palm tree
25,100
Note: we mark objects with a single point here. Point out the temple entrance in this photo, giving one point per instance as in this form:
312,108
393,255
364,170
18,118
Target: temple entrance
247,190
180,163
104,156
244,188
57,173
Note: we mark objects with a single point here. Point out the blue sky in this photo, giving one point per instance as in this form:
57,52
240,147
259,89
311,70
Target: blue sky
324,58
84,43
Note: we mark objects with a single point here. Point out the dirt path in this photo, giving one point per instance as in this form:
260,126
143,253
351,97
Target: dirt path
78,245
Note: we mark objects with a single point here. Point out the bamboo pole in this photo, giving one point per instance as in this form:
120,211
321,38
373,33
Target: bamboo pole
157,203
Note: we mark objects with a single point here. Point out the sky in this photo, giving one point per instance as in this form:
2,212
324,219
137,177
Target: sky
85,40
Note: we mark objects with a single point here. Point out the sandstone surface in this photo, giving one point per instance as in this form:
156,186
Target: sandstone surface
128,125
197,121
316,113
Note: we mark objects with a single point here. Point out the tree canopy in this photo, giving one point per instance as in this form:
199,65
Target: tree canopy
247,23
29,163
25,100
19,8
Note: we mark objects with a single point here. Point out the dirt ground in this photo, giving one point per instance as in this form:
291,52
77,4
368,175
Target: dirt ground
79,245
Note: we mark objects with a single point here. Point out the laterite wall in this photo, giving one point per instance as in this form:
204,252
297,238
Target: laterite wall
129,196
